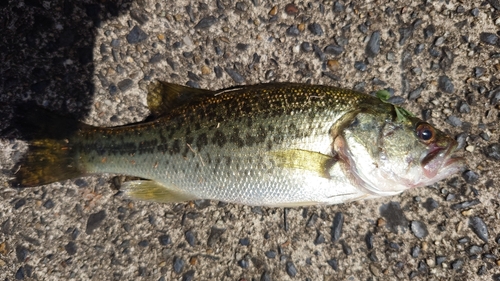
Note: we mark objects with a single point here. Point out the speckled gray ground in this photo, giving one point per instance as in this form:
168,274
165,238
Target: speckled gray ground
94,59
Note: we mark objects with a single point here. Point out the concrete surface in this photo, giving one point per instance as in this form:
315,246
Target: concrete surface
67,57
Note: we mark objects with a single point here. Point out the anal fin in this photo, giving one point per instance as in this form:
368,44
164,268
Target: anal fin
147,190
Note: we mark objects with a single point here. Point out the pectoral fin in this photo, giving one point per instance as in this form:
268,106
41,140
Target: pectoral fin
153,191
305,160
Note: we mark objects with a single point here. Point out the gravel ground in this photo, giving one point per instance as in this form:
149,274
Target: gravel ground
94,59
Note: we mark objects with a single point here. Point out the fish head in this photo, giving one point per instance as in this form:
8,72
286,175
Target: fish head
385,156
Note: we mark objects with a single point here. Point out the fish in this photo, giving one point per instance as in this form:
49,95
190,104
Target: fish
276,144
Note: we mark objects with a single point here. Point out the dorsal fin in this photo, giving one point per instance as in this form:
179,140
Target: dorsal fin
164,96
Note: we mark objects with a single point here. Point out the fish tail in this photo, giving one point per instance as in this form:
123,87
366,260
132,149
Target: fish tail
50,156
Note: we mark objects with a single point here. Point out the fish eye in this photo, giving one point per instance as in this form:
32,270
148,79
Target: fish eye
425,132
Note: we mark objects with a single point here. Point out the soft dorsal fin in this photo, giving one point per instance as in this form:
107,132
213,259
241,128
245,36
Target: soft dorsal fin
164,96
304,160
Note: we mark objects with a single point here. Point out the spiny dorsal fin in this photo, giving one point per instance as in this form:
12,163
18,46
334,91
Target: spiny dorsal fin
164,96
305,160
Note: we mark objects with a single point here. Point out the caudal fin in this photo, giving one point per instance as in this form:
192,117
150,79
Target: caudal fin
50,157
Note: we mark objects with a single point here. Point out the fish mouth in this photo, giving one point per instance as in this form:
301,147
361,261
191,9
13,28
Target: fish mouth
440,160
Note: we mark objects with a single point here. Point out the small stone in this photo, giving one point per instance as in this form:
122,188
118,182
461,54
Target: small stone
237,77
415,252
334,264
454,121
291,9
488,38
293,31
206,22
49,204
244,241
333,49
338,222
19,203
375,269
445,84
290,269
492,151
188,276
71,248
178,264
465,204
141,18
419,49
320,239
243,263
479,228
136,35
190,238
156,58
143,243
346,248
470,177
266,276
440,260
315,29
273,11
474,12
474,250
270,254
306,47
205,70
94,221
369,237
430,204
429,31
457,264
164,239
359,65
125,84
394,217
21,252
373,46
333,65
479,71
338,7
241,6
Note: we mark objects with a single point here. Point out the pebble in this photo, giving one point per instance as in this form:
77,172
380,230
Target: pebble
454,121
136,35
373,46
394,217
190,238
143,243
291,9
243,263
445,84
320,238
492,151
266,276
156,58
479,228
244,241
338,222
470,177
241,6
164,239
338,7
479,71
206,22
293,31
375,269
430,204
237,77
465,204
125,84
333,263
188,276
178,264
346,248
19,203
315,29
404,34
333,49
439,41
71,248
429,31
457,264
474,250
49,204
306,47
21,253
318,52
415,251
488,38
141,18
270,254
369,237
463,107
359,65
290,269
94,221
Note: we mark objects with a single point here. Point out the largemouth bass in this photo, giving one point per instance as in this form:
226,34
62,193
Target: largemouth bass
269,145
